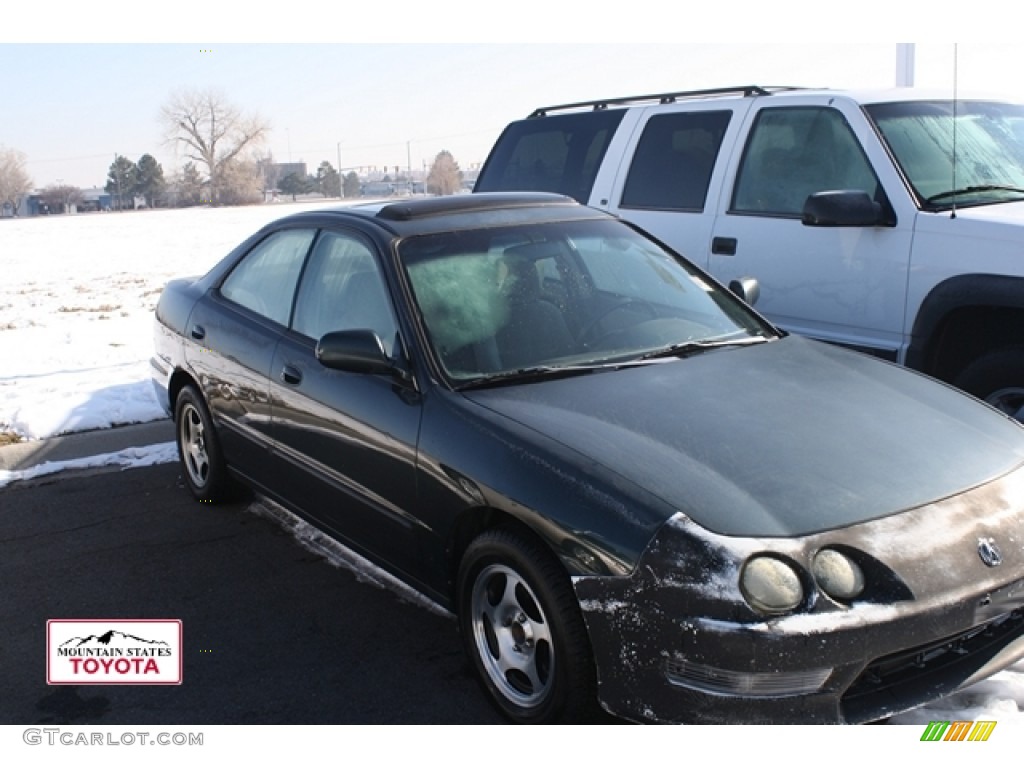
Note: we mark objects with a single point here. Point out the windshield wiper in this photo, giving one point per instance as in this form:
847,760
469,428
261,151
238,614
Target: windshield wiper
538,372
971,190
684,348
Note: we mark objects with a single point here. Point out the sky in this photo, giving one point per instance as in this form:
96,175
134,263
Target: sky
396,84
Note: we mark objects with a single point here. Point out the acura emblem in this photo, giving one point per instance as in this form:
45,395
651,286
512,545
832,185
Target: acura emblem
989,552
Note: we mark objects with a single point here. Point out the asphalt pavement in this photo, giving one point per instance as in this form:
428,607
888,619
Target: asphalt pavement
29,453
272,632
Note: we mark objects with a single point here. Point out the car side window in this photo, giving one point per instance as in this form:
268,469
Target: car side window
343,289
794,152
264,281
672,165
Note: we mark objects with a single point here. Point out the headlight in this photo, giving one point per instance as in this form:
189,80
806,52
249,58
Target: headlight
771,585
837,575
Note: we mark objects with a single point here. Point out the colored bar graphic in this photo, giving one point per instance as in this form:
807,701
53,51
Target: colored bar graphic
959,730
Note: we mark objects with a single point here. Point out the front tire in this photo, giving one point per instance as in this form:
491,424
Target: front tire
523,631
998,379
198,448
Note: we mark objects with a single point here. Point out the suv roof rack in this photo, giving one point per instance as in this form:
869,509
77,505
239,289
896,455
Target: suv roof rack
666,98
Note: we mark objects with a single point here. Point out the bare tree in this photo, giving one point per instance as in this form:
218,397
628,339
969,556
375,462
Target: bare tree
61,197
213,131
241,182
444,178
15,182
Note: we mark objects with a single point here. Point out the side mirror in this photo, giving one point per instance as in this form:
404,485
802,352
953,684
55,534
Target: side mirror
358,351
844,208
747,289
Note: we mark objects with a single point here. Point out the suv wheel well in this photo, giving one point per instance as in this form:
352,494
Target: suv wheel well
969,333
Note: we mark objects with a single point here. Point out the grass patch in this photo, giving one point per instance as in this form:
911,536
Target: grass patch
9,438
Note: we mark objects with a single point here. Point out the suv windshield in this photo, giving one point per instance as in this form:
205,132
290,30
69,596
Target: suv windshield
564,297
989,144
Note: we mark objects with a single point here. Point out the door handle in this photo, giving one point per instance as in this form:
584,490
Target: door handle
198,332
291,375
724,246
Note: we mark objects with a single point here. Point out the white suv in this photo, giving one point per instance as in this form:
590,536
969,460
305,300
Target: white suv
846,206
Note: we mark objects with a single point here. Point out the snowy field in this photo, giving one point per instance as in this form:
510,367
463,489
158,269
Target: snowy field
76,302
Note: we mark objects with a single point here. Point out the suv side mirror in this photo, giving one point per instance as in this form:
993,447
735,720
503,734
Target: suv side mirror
747,289
844,208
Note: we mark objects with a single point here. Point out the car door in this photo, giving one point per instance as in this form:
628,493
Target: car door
235,329
842,284
346,442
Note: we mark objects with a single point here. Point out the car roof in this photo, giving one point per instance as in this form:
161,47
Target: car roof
453,212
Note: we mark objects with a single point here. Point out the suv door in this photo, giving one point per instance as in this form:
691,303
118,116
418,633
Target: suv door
842,284
673,171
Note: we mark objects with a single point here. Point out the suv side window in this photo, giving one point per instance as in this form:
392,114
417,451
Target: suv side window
673,161
264,280
343,289
550,154
794,152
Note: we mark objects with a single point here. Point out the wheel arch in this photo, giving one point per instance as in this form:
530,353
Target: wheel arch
964,318
178,381
576,555
477,521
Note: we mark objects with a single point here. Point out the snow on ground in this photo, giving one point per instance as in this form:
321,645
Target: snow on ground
141,456
76,305
77,295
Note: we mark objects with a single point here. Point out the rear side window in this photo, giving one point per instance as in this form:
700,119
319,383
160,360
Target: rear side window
560,153
674,158
264,281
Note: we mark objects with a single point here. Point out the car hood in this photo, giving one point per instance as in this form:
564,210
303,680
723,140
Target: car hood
784,438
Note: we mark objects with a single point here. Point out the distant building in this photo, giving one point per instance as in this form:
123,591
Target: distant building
95,199
274,172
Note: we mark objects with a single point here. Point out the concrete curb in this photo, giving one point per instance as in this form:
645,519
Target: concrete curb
19,456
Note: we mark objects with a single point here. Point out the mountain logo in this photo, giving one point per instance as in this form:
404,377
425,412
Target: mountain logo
113,652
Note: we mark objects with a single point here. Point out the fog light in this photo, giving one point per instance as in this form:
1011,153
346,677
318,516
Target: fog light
729,682
770,585
839,577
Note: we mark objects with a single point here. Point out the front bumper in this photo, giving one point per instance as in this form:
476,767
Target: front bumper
676,642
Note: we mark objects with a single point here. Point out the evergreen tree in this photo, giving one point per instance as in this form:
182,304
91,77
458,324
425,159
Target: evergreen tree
188,186
328,181
121,180
149,180
294,184
351,188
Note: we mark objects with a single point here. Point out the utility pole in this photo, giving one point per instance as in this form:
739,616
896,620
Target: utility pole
341,180
904,65
117,175
408,163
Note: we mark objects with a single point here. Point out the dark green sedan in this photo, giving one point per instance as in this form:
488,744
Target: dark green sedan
633,491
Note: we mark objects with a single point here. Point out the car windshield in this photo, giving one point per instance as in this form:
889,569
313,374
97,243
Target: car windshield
989,148
564,297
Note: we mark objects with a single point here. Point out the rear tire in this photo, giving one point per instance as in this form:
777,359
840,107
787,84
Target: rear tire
998,379
523,631
199,450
